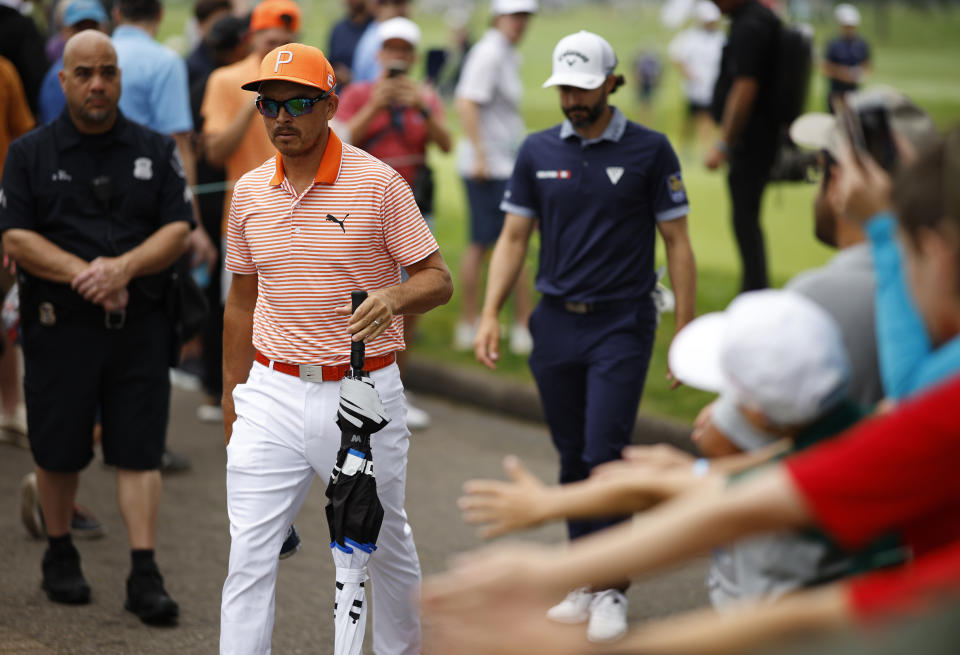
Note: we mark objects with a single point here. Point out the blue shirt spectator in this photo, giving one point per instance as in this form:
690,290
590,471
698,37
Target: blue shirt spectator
908,361
79,15
344,38
155,89
849,51
366,65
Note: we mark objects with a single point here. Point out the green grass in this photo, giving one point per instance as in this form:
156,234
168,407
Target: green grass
918,55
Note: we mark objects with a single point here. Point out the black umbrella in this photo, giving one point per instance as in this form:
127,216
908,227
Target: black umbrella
354,512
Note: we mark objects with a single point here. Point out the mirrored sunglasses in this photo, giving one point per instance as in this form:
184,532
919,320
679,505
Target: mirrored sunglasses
294,106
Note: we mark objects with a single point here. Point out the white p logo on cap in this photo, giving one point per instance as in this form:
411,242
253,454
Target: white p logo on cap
281,59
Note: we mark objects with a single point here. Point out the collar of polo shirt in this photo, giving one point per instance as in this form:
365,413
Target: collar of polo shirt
329,169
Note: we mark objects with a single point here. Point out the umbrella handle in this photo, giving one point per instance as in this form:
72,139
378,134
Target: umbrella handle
358,349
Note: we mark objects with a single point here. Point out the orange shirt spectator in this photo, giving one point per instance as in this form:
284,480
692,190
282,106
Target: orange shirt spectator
15,116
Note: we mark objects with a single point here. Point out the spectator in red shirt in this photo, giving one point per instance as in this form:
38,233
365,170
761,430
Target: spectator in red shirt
395,118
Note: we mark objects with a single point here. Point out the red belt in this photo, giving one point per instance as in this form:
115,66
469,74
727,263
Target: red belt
328,373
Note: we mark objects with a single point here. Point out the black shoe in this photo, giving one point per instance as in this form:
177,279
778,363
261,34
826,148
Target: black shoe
147,598
62,579
291,544
174,462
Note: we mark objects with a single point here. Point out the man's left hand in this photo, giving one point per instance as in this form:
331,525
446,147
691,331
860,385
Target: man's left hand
104,277
372,317
202,250
715,158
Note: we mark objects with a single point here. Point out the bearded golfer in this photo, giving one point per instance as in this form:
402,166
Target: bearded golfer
307,227
601,188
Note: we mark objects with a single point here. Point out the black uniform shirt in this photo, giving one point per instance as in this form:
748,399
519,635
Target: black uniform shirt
93,195
751,51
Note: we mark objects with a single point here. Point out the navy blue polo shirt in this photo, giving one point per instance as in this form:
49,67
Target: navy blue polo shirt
92,196
846,52
598,202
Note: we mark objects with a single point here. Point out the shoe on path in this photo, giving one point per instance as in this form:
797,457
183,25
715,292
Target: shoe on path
608,616
62,578
147,598
463,336
172,462
575,608
291,545
83,523
209,413
521,343
417,419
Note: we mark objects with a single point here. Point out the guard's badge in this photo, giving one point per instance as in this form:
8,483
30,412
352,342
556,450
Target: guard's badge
675,186
46,314
143,168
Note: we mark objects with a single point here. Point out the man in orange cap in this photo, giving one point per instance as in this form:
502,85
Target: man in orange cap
231,137
320,219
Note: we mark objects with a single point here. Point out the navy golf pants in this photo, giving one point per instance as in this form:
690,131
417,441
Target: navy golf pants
590,370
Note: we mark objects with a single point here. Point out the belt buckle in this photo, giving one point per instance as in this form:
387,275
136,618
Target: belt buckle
311,373
115,320
577,307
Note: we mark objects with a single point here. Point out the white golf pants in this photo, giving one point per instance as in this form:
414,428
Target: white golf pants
284,435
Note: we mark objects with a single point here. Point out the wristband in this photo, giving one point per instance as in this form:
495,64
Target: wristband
700,467
722,146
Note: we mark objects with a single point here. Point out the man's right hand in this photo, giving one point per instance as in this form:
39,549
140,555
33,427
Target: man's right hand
486,345
229,415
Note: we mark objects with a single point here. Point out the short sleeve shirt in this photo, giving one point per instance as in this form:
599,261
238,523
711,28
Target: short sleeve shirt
353,228
846,52
598,203
896,472
156,92
94,195
699,51
366,66
15,116
397,137
51,101
491,78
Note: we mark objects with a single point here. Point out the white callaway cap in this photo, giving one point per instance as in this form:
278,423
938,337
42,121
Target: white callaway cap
399,28
582,60
847,15
820,131
501,7
774,351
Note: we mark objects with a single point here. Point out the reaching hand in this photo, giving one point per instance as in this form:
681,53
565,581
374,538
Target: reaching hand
861,188
502,507
715,158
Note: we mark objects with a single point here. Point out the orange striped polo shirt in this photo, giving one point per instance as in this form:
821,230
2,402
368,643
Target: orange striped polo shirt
353,228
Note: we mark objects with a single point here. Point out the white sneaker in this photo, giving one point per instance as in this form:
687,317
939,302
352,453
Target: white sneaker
521,343
417,419
608,616
463,336
575,608
210,413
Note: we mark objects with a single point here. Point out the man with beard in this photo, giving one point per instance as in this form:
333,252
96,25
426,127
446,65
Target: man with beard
600,186
94,209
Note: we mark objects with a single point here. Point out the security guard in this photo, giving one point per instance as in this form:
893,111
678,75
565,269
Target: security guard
94,209
600,187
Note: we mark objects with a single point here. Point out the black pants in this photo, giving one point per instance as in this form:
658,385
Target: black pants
746,179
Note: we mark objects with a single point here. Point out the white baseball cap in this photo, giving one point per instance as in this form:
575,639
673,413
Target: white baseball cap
774,351
582,60
820,131
847,15
399,28
707,12
502,7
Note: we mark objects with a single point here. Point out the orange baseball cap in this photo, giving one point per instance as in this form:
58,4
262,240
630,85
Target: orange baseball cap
297,63
275,13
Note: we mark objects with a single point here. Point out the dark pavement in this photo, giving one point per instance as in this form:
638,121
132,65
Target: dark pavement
193,544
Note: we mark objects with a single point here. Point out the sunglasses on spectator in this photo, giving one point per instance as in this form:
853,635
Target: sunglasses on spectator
294,106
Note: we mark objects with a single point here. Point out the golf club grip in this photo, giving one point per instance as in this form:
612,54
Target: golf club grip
358,349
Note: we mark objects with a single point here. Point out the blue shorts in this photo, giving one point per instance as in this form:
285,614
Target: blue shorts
486,218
